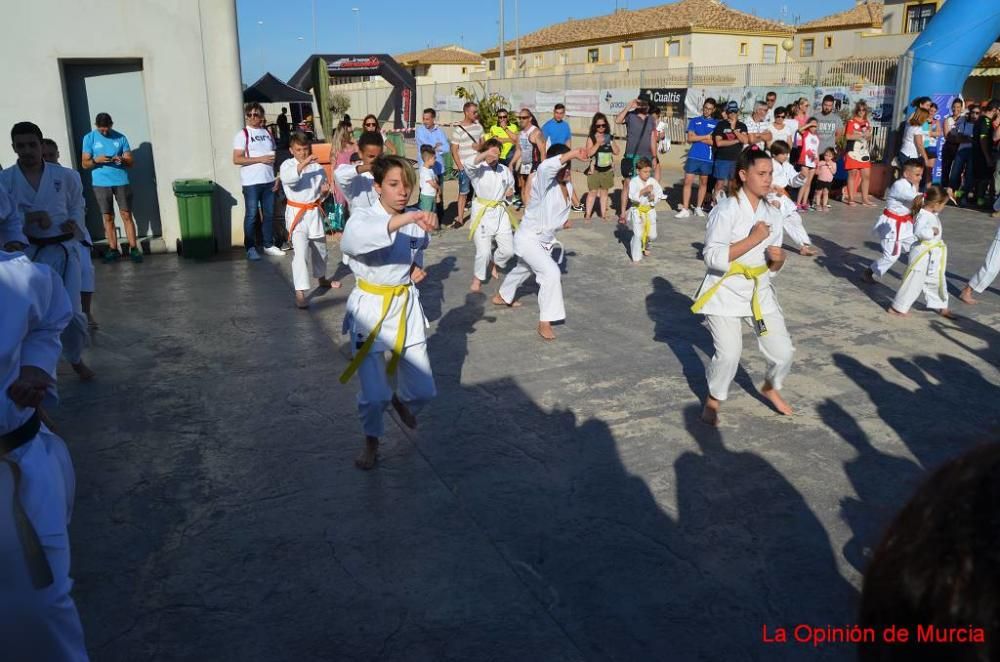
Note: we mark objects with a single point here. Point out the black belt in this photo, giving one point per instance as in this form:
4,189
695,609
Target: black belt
51,241
31,545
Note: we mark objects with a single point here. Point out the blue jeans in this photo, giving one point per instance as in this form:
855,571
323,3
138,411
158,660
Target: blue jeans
262,195
962,163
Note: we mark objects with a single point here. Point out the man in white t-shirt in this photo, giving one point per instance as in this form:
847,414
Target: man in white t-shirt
758,126
253,152
466,137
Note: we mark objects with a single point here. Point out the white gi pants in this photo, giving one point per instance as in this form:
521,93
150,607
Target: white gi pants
64,259
87,275
727,334
880,266
635,221
308,255
991,267
484,250
414,386
925,277
39,624
535,258
795,231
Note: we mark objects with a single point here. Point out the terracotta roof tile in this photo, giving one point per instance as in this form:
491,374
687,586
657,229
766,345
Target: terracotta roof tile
679,17
992,57
865,14
451,54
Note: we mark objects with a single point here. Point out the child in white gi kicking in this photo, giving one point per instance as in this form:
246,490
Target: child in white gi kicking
742,251
547,213
643,192
791,220
304,181
928,258
493,184
385,245
986,274
894,227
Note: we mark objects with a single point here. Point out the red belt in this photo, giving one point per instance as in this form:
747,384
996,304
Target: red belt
303,207
900,219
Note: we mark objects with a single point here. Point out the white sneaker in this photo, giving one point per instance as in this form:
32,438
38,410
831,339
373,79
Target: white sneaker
274,251
663,196
684,213
700,212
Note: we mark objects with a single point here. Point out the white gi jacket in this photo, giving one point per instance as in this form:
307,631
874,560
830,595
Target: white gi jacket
548,209
359,189
59,193
304,188
381,258
731,221
635,185
898,200
490,184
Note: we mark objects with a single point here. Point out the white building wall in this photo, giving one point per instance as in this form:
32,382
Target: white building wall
191,72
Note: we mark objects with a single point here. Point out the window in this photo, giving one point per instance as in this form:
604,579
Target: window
563,58
465,70
671,48
493,65
918,16
807,47
744,48
538,60
827,42
626,54
770,54
593,55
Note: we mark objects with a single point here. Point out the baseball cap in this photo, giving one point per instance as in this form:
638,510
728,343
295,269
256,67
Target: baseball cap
732,107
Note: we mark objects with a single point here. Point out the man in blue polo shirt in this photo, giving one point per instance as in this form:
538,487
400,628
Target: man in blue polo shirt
556,130
699,158
108,154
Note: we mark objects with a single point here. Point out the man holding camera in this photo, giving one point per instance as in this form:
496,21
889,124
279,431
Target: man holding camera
640,141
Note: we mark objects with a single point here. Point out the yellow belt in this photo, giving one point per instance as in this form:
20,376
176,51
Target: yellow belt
750,273
485,204
928,247
388,294
644,217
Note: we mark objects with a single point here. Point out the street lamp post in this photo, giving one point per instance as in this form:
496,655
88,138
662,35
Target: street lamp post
260,35
315,49
503,60
357,16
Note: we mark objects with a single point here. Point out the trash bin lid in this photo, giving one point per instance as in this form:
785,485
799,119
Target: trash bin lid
194,186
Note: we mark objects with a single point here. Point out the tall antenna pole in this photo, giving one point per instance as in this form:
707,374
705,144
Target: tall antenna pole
503,61
517,40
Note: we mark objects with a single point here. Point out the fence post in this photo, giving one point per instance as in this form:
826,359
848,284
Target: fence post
641,79
819,73
690,74
747,83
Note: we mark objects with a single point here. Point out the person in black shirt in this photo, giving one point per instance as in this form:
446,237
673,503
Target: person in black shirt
729,138
284,128
984,157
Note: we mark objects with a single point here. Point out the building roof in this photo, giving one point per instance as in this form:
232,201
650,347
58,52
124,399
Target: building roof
450,54
863,15
270,88
992,57
676,18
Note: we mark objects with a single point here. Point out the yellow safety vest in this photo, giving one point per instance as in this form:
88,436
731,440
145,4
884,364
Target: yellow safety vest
388,294
750,273
928,247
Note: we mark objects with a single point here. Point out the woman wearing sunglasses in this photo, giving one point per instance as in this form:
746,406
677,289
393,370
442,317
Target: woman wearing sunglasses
371,123
253,152
602,150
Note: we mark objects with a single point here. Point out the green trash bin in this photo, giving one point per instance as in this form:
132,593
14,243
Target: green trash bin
195,199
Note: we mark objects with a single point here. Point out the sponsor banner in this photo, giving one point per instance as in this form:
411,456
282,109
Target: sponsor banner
546,101
613,100
696,96
355,66
670,100
943,102
880,99
582,103
448,102
526,100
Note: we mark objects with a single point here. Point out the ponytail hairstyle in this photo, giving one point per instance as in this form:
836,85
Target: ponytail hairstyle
932,196
745,161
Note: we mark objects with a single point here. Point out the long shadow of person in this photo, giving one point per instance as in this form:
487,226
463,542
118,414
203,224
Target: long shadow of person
842,263
953,329
432,288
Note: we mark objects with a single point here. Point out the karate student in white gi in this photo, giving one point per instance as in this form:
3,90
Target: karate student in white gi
928,258
742,251
643,192
49,201
986,274
304,181
38,620
385,245
547,213
50,154
355,179
791,221
493,184
894,227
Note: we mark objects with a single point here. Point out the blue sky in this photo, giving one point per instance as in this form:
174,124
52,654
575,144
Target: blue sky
397,26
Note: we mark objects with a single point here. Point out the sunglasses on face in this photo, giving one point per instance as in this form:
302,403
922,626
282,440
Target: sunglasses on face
779,117
501,117
524,117
254,115
601,126
370,124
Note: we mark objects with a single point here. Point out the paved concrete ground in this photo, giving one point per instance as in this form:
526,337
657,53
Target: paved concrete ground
559,501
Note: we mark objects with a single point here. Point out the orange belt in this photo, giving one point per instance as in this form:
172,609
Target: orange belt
303,207
900,219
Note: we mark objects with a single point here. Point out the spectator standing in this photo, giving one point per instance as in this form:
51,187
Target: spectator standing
466,139
829,126
108,154
770,99
758,126
932,131
984,158
783,128
371,123
962,181
429,133
602,150
556,130
506,132
530,147
912,146
857,158
253,152
729,138
640,141
699,158
284,128
951,140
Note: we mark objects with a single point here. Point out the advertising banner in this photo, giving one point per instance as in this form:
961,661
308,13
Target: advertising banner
880,99
670,100
582,103
613,100
519,100
546,101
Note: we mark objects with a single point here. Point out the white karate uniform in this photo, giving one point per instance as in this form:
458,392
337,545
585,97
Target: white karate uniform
491,184
926,271
535,238
309,238
61,196
635,218
36,623
791,220
381,258
898,200
358,188
729,308
991,267
84,247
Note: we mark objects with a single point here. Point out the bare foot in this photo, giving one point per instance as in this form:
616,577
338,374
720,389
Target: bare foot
774,395
83,371
545,331
966,296
944,312
710,414
300,300
366,460
895,313
405,415
498,301
494,272
808,251
477,285
646,252
868,276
